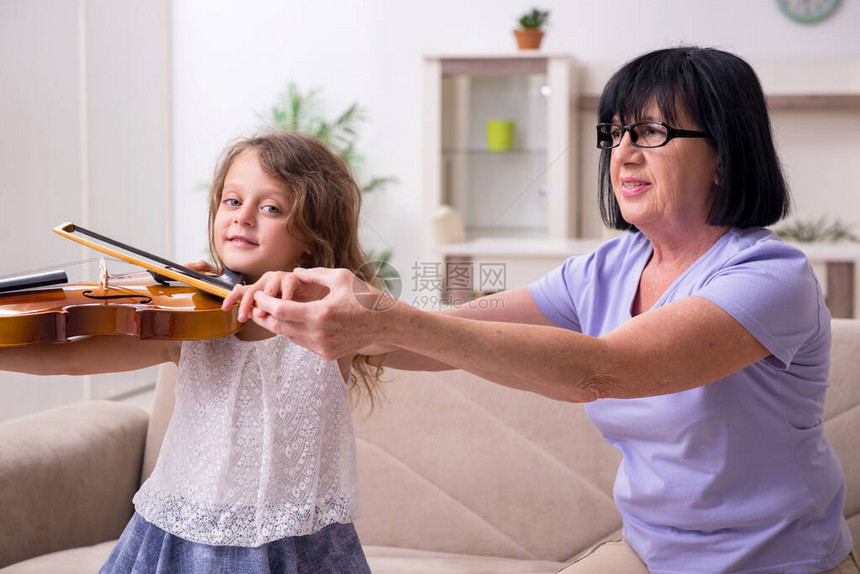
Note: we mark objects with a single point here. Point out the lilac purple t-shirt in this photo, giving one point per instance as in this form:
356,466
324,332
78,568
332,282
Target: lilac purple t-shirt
734,476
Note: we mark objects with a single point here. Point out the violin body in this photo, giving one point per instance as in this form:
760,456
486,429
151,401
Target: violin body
145,311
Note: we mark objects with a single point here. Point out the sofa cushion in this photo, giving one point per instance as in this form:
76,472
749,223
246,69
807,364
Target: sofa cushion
82,560
385,560
382,560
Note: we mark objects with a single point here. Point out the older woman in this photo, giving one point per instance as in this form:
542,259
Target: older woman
698,339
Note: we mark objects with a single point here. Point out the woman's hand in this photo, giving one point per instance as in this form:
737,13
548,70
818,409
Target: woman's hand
329,311
278,284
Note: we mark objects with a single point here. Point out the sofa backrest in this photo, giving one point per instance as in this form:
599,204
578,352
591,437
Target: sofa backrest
453,463
162,409
842,413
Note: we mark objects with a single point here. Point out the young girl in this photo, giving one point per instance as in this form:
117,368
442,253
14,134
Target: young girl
257,472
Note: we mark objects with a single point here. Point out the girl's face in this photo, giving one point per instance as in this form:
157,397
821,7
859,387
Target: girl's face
669,187
251,228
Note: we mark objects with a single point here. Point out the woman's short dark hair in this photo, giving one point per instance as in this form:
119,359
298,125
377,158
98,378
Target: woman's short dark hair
722,94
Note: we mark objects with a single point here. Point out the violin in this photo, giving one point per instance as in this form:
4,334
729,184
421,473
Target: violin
142,305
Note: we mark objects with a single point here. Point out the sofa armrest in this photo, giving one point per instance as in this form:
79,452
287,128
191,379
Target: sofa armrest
67,477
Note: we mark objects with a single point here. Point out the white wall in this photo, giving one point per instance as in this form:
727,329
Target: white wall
230,62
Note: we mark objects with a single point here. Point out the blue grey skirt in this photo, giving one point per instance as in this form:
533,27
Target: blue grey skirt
146,549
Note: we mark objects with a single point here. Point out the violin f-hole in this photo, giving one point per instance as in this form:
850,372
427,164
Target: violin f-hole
142,299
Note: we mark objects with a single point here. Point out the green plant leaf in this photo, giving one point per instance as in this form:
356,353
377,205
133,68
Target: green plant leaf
534,19
822,229
299,111
378,184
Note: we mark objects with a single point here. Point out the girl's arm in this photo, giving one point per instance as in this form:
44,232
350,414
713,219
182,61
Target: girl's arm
680,346
88,355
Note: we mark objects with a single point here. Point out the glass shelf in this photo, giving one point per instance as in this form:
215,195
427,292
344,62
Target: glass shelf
496,191
478,151
475,232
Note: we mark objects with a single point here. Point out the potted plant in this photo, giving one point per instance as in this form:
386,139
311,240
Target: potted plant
530,34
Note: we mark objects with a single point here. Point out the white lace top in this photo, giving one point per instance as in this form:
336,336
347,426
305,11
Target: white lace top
260,446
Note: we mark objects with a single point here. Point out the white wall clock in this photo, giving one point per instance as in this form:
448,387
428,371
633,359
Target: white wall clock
807,11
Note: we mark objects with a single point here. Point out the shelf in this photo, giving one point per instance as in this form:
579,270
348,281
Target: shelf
520,247
498,66
522,192
776,103
814,103
488,152
532,247
519,232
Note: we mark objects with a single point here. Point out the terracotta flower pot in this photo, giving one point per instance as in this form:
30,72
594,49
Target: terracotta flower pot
528,38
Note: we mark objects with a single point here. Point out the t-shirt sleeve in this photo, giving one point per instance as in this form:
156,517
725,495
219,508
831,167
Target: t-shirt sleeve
553,294
771,290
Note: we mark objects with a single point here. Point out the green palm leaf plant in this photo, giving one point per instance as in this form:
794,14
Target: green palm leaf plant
299,111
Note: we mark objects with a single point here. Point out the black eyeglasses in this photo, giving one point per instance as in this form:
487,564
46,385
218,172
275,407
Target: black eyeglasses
642,134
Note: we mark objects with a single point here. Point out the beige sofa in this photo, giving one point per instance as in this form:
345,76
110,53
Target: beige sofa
457,475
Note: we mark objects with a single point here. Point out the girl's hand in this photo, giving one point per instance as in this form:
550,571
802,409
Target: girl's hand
329,311
203,267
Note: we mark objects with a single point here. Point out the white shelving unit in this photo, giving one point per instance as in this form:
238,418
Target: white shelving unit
520,193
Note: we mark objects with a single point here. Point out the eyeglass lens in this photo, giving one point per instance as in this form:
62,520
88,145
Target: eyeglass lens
642,134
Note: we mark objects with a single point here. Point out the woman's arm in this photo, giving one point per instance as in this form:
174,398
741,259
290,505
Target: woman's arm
514,306
88,355
683,345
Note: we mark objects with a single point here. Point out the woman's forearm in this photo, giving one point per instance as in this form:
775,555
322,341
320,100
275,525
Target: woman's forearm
514,306
527,357
409,361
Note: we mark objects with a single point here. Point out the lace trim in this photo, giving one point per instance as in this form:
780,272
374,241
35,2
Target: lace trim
239,526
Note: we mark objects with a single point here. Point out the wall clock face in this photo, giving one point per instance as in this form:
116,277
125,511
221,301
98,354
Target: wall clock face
807,11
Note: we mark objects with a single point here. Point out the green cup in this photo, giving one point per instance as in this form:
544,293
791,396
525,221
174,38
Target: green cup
500,135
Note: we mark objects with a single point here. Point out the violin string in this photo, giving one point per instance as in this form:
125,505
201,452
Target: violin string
58,266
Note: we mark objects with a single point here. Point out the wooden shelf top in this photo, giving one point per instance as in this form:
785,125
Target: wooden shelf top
775,103
532,247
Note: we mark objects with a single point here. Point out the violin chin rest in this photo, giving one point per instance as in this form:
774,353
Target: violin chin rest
228,276
231,277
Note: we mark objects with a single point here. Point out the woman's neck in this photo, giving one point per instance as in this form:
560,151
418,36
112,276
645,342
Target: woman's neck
680,250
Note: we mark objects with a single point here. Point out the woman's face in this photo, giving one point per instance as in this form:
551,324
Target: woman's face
665,188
